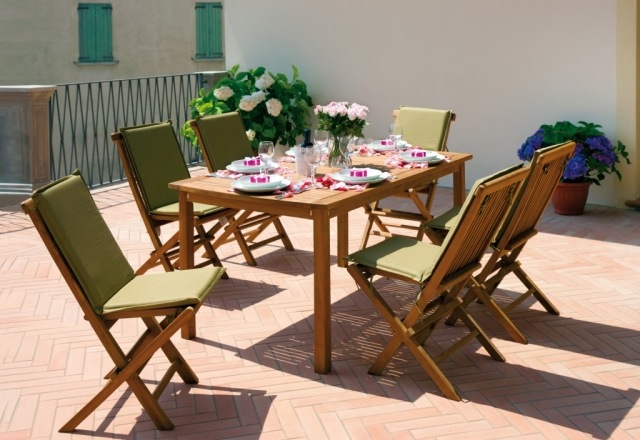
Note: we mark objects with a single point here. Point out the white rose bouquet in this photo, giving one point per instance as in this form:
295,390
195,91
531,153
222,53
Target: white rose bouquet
272,107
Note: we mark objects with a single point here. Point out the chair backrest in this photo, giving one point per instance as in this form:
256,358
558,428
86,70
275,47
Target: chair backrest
80,242
152,158
222,139
545,171
480,216
425,127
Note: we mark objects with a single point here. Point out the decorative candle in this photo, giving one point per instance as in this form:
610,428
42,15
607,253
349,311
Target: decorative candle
260,178
386,142
358,173
252,161
418,153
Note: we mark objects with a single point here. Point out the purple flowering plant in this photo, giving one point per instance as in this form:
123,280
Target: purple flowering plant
593,157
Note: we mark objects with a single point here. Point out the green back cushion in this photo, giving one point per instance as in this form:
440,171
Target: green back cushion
424,127
84,239
224,139
157,160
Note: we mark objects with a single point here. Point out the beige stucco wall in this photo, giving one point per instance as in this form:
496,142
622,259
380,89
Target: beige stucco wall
150,37
504,66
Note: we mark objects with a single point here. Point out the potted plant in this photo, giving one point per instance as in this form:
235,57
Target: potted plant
273,108
594,157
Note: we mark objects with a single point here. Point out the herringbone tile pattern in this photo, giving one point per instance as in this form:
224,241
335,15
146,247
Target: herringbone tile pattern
579,377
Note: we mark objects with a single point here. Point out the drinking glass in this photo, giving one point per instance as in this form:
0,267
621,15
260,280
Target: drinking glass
312,156
266,149
395,134
321,137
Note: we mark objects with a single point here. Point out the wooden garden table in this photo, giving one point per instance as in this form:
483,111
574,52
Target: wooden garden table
319,206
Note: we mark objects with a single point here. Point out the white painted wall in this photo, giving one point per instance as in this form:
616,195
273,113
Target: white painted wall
504,66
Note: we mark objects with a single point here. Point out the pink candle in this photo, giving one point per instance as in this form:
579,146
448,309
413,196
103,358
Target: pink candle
418,153
252,161
358,173
261,178
386,142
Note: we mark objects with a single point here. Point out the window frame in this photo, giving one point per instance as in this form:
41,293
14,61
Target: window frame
95,33
209,41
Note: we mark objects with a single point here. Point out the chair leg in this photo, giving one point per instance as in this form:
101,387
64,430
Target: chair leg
130,375
540,296
402,335
282,233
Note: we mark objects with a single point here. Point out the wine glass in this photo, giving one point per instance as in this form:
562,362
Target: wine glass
312,156
321,138
395,134
266,150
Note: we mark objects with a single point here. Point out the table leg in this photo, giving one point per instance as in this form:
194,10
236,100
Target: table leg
321,292
185,237
459,190
343,239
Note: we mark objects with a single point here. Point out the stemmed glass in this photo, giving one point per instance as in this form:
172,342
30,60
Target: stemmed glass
321,138
266,150
395,134
312,156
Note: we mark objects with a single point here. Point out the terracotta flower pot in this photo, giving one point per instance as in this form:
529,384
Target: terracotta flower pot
569,198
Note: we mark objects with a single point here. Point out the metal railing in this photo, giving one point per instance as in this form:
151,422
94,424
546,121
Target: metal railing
82,117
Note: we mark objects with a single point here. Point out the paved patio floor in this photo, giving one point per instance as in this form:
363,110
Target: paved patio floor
579,376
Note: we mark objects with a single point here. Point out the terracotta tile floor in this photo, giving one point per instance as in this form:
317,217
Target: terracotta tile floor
579,376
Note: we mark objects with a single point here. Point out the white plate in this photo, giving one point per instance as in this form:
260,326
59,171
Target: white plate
429,158
373,176
241,186
274,181
238,166
377,146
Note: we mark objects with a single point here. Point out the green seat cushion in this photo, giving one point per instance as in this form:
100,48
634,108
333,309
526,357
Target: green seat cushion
224,139
401,255
165,289
157,159
199,209
84,238
444,221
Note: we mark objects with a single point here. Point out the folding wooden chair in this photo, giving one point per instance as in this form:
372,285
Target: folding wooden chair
151,158
222,139
440,272
429,129
545,171
107,289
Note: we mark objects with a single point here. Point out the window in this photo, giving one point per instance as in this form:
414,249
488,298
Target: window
94,32
208,30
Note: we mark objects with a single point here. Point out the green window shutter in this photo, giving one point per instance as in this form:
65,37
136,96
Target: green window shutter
208,30
95,32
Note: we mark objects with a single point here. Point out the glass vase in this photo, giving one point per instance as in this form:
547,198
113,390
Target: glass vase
339,152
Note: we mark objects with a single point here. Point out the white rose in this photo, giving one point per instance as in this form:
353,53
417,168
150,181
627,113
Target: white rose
223,93
274,107
258,96
264,82
247,103
251,134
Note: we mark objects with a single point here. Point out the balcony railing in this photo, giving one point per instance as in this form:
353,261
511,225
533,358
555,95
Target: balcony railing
83,116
